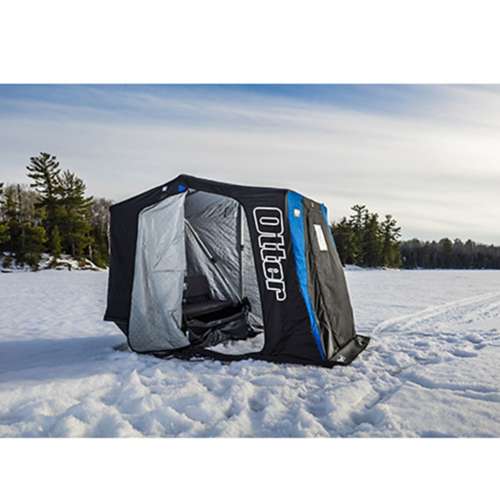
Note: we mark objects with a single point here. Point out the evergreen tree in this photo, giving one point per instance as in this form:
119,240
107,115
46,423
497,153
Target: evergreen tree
25,231
56,216
470,251
391,233
4,233
344,241
74,215
56,243
34,244
358,220
364,241
371,242
44,172
446,253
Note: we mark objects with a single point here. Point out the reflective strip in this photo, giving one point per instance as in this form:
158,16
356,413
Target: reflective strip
297,235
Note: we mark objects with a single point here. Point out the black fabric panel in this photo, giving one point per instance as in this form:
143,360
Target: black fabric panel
286,322
350,351
123,237
328,287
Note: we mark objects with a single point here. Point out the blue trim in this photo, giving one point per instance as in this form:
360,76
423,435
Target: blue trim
181,188
324,211
296,223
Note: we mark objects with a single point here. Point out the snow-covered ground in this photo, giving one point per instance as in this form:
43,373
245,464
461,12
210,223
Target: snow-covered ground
47,261
432,368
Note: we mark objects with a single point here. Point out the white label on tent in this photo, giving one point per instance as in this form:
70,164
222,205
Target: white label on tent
321,238
270,226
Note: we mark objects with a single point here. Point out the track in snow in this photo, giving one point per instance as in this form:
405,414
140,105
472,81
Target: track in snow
433,352
445,316
455,329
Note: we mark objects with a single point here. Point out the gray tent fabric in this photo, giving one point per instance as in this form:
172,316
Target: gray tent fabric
160,265
250,284
213,219
211,242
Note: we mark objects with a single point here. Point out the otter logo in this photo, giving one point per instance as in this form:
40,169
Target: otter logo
270,227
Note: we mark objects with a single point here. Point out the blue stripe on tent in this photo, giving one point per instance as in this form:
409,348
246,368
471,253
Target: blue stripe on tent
296,223
324,211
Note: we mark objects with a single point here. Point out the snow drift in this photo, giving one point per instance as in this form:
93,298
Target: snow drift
432,369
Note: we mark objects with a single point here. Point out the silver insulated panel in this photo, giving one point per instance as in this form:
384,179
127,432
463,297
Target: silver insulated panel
160,265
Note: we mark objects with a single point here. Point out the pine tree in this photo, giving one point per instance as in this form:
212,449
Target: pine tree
390,246
364,241
74,215
44,171
13,223
357,221
56,243
4,234
34,244
446,253
371,242
26,234
470,254
344,241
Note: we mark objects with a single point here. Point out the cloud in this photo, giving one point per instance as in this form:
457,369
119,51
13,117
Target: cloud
434,162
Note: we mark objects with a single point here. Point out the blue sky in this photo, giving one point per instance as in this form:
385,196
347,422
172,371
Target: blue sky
429,155
374,98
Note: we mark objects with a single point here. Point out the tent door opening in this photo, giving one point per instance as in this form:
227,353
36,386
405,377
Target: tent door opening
195,282
221,300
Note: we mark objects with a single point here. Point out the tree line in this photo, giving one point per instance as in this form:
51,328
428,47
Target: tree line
52,214
446,254
365,240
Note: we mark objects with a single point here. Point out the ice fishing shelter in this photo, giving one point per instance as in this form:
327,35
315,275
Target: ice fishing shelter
195,263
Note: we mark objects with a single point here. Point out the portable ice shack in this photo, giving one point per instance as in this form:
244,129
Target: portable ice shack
195,263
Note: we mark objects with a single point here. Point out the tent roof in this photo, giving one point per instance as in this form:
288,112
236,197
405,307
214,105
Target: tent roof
223,188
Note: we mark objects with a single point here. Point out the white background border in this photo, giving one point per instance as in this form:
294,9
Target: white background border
249,42
95,469
233,41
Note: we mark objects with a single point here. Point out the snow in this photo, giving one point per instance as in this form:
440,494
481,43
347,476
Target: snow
47,261
431,368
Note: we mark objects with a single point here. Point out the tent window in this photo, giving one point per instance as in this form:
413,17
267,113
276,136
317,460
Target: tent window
320,238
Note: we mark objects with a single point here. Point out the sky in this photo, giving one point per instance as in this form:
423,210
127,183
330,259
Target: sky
427,154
